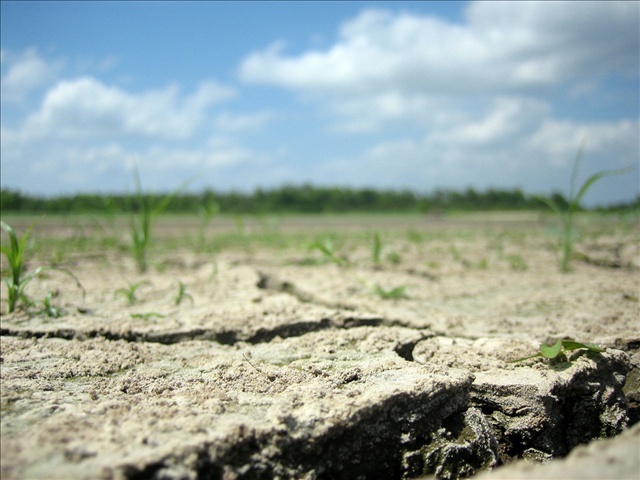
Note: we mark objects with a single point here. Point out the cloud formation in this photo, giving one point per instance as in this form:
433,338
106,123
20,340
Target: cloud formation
85,128
503,47
25,72
85,107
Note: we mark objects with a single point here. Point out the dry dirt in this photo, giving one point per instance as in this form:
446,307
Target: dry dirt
279,363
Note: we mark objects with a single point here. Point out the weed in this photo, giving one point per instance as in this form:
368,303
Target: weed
130,293
17,281
553,351
182,294
565,215
393,294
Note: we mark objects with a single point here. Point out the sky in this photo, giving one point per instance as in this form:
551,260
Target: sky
235,96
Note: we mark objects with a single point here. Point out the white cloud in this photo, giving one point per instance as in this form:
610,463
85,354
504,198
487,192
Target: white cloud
505,46
85,132
45,167
25,72
561,39
388,68
615,143
86,108
514,143
506,119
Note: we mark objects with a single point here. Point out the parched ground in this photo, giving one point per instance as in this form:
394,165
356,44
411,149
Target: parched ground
281,360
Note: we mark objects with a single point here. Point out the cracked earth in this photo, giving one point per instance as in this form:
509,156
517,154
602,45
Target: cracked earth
281,363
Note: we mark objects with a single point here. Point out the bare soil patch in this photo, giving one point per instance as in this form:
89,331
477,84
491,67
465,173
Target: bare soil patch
280,361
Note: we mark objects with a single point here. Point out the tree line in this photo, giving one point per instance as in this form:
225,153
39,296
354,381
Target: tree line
290,199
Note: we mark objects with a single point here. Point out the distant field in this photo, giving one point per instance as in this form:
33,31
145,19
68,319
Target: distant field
171,224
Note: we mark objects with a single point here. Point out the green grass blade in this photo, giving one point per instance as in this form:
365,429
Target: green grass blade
526,358
574,174
377,249
571,345
594,178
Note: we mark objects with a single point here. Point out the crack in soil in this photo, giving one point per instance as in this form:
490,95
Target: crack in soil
223,337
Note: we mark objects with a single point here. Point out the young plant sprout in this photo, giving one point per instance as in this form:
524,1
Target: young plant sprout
568,236
182,294
553,351
130,293
48,308
376,253
207,212
142,223
18,281
328,251
394,293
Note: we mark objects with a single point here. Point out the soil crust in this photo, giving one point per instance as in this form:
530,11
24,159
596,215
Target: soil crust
279,361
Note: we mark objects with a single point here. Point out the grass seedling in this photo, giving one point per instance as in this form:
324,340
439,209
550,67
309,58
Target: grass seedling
376,253
17,281
142,222
393,294
553,351
568,236
326,248
207,212
130,293
182,294
47,307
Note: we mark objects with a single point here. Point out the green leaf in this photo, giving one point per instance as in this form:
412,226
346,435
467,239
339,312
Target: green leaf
575,202
571,345
551,351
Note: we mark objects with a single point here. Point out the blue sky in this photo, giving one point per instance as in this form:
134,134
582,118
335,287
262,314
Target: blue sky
239,95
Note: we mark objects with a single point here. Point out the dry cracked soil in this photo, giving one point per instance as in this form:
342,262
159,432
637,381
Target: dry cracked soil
284,361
